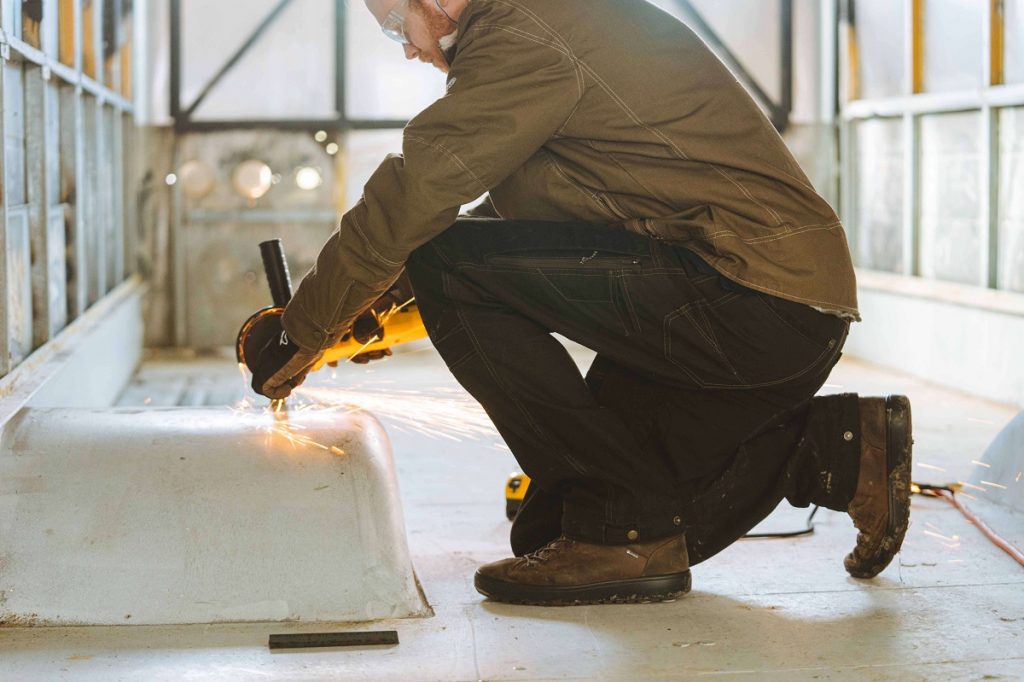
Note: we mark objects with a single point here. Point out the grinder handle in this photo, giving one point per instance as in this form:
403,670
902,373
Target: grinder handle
276,267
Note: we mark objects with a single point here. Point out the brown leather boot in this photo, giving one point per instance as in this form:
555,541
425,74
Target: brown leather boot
566,572
881,506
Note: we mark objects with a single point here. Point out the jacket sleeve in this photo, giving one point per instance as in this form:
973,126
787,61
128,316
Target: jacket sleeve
507,95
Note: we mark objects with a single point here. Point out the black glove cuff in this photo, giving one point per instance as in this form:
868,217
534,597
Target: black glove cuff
274,355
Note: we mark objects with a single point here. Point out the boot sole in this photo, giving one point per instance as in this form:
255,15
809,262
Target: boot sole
632,591
898,453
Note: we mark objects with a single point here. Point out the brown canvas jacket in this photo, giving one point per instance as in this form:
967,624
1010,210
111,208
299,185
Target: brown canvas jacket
606,111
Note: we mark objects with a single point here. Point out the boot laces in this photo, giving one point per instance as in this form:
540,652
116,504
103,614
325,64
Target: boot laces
544,553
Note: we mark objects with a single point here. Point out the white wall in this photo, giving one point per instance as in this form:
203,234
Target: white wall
948,334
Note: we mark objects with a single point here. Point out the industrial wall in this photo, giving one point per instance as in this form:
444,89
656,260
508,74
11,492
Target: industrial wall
67,211
932,126
328,110
919,160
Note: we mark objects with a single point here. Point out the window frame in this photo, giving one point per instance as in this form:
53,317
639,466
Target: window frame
911,106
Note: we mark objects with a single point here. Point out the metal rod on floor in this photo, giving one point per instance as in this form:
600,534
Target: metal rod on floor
331,639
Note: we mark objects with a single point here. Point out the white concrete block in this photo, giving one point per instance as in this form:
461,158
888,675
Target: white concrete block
1003,478
162,516
953,335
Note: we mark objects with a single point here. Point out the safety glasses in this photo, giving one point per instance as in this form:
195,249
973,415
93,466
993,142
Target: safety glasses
393,25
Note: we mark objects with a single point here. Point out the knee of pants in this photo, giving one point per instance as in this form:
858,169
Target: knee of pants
425,267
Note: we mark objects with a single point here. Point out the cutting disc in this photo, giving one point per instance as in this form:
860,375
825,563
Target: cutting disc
254,334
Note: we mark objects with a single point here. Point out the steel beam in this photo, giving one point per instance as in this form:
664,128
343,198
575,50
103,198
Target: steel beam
257,33
785,106
19,50
49,311
175,98
997,96
340,61
72,167
989,175
911,143
5,355
118,189
778,112
329,125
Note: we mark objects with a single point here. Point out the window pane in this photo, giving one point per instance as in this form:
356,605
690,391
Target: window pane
1011,199
881,25
66,31
953,44
951,226
279,76
879,211
32,22
762,64
364,150
1013,22
13,190
381,83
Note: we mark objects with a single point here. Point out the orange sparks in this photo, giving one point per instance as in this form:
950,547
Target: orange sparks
930,466
933,534
375,339
980,464
994,485
452,417
965,484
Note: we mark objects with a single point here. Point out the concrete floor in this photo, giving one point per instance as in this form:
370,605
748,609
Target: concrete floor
950,608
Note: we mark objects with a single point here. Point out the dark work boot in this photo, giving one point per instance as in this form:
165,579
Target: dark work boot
567,572
881,506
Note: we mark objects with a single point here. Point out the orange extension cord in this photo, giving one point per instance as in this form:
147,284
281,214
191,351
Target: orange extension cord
949,495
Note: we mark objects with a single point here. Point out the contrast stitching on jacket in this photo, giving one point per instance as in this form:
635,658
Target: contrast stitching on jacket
297,304
537,20
775,237
373,251
580,86
450,154
806,185
581,82
613,206
337,310
572,183
782,294
529,36
557,47
672,145
611,156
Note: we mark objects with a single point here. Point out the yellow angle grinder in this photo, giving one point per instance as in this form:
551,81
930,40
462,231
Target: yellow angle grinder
515,493
374,331
391,328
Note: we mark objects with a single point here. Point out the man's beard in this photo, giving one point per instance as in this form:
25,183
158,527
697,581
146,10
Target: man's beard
437,23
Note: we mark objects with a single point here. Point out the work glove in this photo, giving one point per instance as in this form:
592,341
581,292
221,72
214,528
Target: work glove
281,367
368,356
367,327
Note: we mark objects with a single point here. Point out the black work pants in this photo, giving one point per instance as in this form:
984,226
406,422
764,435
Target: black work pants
697,414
